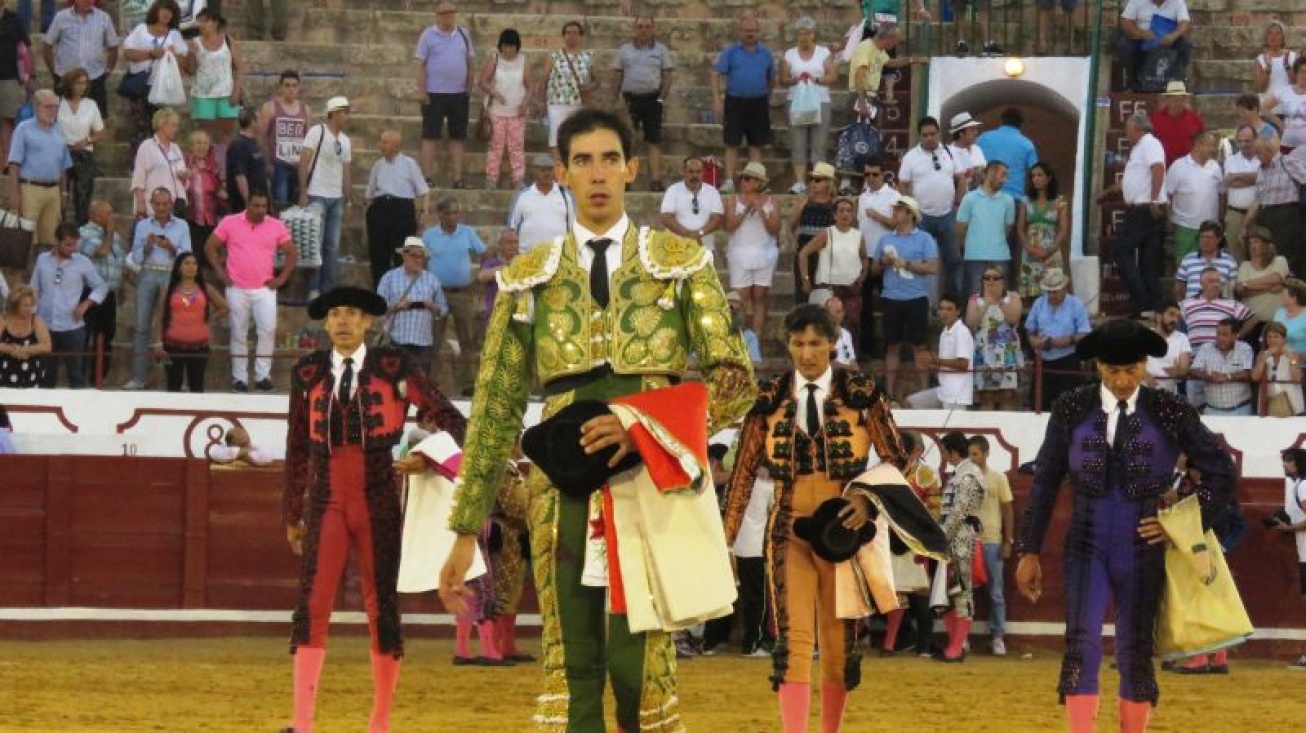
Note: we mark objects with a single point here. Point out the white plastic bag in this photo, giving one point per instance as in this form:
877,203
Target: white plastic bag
305,225
166,87
805,105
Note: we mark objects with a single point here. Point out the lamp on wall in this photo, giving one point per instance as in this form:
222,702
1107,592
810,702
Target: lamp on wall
1013,67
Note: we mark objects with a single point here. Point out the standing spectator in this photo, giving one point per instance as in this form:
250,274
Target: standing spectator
252,239
1240,184
993,316
1290,103
396,204
82,37
1175,123
998,532
1210,253
445,65
906,257
739,320
451,245
66,285
969,156
1292,314
160,163
509,87
283,123
869,60
81,125
1164,372
13,92
1225,367
1137,250
325,180
812,214
875,205
215,92
1056,322
1043,230
641,77
101,243
691,208
413,298
1260,280
1007,144
1139,33
24,337
956,390
571,80
156,243
504,252
256,14
753,223
1194,184
143,47
750,563
984,221
1274,65
1275,205
1247,111
541,211
205,189
845,354
247,169
743,106
808,63
1294,523
38,160
1278,367
841,262
181,323
929,175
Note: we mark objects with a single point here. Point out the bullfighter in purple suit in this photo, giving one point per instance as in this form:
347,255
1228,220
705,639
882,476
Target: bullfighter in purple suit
1114,547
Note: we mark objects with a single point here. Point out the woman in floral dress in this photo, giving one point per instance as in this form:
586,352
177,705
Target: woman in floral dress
993,315
1043,227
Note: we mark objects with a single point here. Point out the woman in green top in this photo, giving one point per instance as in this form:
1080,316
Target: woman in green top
1043,228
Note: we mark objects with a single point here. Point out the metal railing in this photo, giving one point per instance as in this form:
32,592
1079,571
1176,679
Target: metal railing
1012,25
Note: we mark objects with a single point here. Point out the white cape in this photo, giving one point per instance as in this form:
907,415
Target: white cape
427,539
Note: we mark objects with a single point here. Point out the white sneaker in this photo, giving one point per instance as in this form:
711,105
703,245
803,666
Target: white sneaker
1300,664
133,386
999,647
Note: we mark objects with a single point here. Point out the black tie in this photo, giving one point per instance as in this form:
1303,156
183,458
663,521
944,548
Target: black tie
1119,441
599,271
347,380
813,417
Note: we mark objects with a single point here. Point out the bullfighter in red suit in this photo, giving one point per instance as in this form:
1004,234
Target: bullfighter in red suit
347,411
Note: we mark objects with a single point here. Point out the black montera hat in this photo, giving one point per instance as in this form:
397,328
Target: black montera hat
554,446
824,531
1121,342
364,300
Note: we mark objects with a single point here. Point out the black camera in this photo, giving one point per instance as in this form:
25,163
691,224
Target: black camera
1275,519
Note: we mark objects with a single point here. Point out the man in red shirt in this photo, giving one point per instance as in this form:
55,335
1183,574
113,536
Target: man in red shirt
1175,124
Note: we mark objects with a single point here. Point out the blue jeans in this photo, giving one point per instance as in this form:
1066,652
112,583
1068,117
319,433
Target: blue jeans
993,565
944,231
148,286
333,215
25,14
285,184
1243,409
975,274
69,346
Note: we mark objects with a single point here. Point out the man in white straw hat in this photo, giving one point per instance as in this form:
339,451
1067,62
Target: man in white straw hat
324,182
1056,322
964,130
1175,123
414,299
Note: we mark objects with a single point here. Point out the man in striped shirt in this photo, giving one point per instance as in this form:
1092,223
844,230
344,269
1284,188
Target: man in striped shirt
414,298
1276,207
1204,313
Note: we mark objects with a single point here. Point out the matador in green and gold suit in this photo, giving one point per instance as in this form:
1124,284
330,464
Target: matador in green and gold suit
666,309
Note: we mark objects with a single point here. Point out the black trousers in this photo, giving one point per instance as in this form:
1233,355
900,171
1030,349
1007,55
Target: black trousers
1060,376
1284,222
752,606
1137,254
101,320
389,221
188,365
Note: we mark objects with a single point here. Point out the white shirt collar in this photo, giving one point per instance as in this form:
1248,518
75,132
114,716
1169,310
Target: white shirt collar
1109,400
338,360
617,233
822,382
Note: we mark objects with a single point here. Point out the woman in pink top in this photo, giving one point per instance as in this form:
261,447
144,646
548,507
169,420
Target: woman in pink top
205,190
182,322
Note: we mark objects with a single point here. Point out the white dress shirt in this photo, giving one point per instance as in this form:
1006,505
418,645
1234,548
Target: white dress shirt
1110,403
338,368
585,255
822,383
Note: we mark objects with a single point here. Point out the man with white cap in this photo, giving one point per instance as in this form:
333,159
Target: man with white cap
413,299
396,202
542,210
907,256
964,130
324,181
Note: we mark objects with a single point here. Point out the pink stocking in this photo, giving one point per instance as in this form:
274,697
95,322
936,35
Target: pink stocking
488,633
833,700
385,678
308,670
893,622
462,639
795,706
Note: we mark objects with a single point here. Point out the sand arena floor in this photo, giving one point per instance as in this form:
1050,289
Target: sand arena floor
243,684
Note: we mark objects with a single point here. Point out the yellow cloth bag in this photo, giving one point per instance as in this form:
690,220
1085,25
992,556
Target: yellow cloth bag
1201,610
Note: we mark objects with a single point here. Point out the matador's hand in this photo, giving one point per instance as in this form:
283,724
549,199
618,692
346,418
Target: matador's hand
295,536
1029,577
600,432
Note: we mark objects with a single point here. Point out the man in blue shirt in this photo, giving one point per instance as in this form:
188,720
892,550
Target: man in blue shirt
414,298
59,279
1056,322
155,246
452,245
909,258
984,223
38,158
743,108
1007,144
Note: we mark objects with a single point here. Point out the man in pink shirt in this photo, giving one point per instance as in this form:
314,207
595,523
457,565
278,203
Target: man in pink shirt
252,239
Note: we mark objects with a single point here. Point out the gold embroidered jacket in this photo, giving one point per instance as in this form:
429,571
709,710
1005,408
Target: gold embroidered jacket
666,303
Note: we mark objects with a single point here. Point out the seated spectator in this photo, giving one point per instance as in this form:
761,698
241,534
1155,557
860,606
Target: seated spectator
1211,253
1274,64
1165,372
66,285
181,324
845,354
1147,24
984,221
542,210
81,124
236,446
1195,184
1056,322
1203,313
1290,103
1175,123
1225,367
753,223
1247,111
692,208
505,251
1043,230
841,262
24,337
1278,368
414,300
740,321
956,390
1291,313
993,316
1260,279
